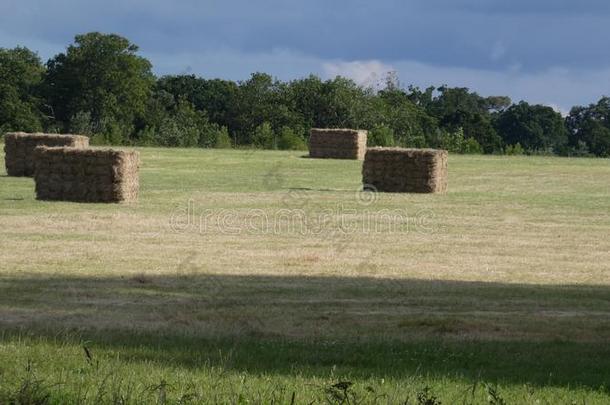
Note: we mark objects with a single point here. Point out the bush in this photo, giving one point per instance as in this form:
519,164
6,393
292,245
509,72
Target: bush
514,149
381,135
289,140
456,143
147,137
104,131
223,140
264,137
81,124
471,147
171,133
113,133
580,150
209,135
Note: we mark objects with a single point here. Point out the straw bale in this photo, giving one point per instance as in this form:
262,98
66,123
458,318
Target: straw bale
405,170
337,143
19,149
86,175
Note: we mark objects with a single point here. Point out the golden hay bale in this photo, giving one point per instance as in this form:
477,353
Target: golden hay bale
405,170
19,149
86,175
337,143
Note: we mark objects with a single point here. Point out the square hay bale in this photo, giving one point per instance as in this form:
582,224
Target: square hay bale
402,170
337,143
19,149
86,175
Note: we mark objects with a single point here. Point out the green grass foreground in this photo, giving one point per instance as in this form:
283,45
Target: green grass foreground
497,292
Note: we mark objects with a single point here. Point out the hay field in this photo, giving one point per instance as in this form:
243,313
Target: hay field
258,275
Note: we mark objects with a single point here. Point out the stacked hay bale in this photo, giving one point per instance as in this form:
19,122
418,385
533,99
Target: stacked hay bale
337,143
86,175
405,170
19,149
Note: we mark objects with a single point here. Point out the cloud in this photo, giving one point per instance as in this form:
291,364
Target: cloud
559,88
498,51
539,34
365,73
544,51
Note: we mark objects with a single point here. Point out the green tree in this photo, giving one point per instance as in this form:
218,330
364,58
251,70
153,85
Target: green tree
289,140
412,126
459,108
218,98
21,73
102,75
516,149
497,103
590,126
456,142
184,127
381,135
534,127
255,106
264,137
223,140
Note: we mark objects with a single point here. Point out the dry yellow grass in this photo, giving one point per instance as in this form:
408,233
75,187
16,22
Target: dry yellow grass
517,249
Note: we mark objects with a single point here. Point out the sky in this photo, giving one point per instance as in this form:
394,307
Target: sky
553,52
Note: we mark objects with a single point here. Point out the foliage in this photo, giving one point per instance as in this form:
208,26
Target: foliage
264,137
534,127
81,123
21,74
289,140
459,108
515,149
184,127
456,143
102,87
101,74
590,126
222,138
381,135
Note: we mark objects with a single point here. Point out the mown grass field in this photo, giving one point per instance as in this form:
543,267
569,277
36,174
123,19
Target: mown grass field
266,277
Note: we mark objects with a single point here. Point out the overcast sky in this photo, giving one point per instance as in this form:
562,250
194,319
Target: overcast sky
554,52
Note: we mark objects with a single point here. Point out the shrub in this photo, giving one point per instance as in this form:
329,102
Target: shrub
580,150
264,137
471,147
381,135
210,135
147,137
514,149
114,133
456,143
289,140
81,124
223,140
173,133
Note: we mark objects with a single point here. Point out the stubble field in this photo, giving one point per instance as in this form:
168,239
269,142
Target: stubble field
261,276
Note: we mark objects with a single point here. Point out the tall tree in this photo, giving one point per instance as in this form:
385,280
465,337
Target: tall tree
457,108
21,73
101,75
590,126
218,98
534,127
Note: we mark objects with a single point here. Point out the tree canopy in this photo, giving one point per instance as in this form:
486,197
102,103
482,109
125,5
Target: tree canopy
21,74
102,87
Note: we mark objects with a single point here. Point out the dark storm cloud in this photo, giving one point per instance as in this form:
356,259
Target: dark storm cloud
292,38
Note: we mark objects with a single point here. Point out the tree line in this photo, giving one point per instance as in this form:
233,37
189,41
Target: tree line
102,88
